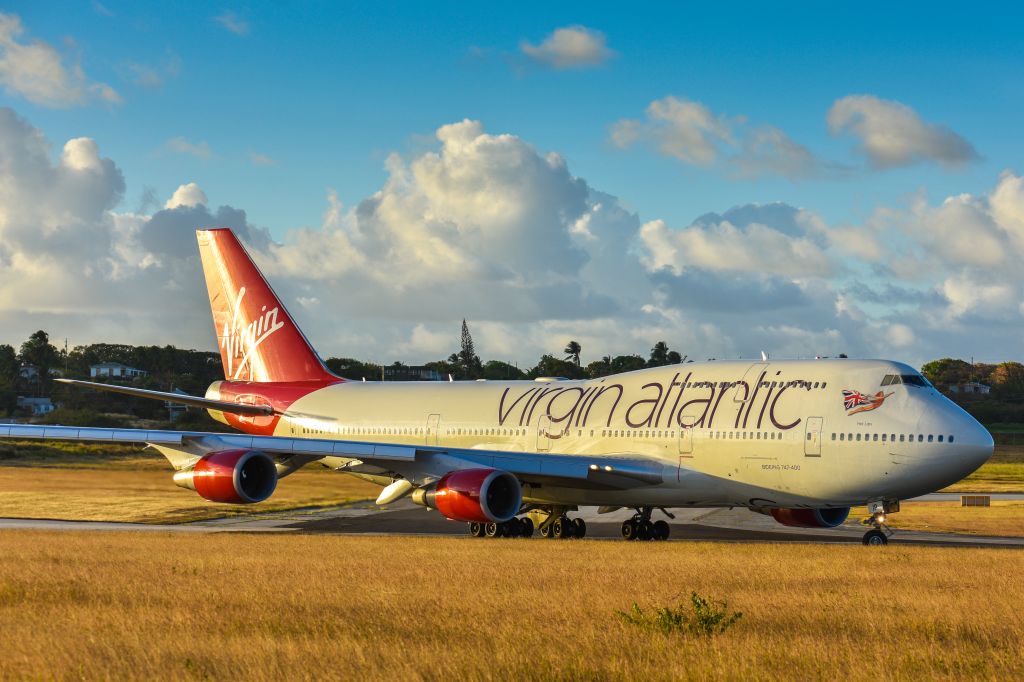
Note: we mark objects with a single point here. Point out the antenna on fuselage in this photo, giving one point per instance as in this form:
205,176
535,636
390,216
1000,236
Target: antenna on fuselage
764,357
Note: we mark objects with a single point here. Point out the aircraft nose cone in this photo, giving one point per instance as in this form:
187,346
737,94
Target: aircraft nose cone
979,445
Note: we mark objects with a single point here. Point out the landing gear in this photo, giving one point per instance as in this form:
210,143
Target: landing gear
640,526
513,528
875,537
554,523
563,528
579,528
880,533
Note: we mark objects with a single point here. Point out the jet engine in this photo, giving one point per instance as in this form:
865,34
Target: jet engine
481,495
233,476
810,518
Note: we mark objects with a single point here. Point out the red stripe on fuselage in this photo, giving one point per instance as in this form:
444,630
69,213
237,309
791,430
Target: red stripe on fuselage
279,395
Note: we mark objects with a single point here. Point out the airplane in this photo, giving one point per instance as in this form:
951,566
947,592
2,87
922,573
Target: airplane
803,441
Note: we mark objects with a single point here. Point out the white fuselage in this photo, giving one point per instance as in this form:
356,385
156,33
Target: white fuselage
757,434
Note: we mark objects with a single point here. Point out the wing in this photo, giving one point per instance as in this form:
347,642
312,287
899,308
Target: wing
419,464
179,398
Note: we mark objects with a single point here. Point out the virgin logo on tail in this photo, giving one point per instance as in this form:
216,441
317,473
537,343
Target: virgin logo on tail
241,342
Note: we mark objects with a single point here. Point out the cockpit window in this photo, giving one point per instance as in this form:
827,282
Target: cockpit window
908,379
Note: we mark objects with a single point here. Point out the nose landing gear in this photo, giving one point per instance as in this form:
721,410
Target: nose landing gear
879,533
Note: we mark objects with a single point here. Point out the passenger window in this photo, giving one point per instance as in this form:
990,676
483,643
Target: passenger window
930,438
874,437
951,438
940,437
920,437
883,437
833,435
901,437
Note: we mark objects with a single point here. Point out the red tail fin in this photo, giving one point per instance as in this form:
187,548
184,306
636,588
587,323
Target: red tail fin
258,339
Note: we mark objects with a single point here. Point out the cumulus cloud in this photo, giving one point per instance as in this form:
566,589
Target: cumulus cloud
680,128
571,47
187,195
691,132
37,72
488,227
892,134
232,22
722,246
180,145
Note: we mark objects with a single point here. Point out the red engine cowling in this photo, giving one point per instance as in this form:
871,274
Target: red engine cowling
483,495
810,518
233,476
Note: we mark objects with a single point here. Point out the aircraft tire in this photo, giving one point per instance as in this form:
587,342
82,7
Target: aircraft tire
630,529
492,530
526,524
476,529
875,538
579,528
660,530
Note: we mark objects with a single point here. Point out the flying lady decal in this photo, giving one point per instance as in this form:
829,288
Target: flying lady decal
241,340
855,401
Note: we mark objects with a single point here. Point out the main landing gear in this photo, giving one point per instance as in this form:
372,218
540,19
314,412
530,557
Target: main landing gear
513,528
562,528
640,526
552,522
879,533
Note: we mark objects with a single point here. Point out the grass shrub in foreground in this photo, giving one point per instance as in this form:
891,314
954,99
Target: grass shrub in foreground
704,619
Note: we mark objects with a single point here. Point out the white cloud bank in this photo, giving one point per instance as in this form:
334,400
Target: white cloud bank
37,72
891,134
490,228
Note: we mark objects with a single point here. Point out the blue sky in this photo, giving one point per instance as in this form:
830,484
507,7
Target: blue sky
267,109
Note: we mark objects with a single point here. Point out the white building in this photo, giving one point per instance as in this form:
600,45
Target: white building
115,370
975,387
36,406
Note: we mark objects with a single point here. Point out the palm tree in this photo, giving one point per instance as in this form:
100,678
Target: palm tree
572,352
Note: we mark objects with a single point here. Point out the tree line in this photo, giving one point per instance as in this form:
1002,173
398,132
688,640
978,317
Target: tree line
192,371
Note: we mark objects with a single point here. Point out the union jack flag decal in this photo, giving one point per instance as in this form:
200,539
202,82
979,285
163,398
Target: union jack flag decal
855,401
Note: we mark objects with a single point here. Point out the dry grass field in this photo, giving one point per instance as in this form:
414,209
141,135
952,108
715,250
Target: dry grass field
1002,518
147,494
259,607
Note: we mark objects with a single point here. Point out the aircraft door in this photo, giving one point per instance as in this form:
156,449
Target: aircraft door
685,442
812,437
686,435
433,429
544,434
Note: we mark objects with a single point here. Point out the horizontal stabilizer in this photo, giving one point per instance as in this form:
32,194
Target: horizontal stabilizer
179,398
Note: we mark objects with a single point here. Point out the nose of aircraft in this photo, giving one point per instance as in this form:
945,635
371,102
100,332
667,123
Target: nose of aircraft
978,444
973,444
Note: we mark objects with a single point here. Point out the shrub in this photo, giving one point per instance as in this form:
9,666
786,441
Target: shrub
704,618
